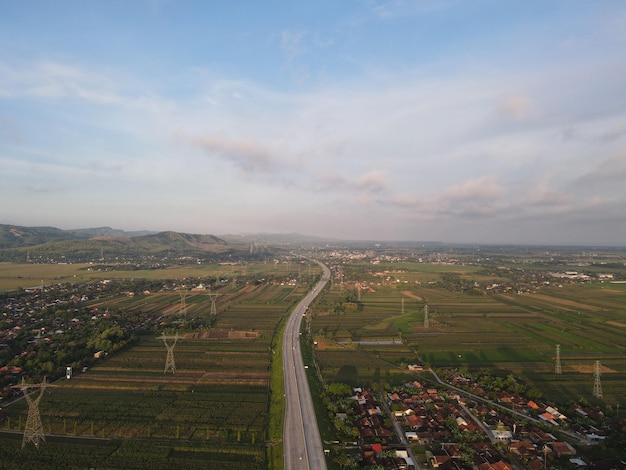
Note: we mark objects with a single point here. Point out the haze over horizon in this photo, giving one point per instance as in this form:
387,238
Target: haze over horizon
464,122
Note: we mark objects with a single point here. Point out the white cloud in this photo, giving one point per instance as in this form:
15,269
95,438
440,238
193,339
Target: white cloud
9,130
390,9
609,174
248,154
373,181
516,107
292,42
57,81
481,189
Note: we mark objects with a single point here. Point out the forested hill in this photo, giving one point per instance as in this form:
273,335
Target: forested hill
13,236
48,244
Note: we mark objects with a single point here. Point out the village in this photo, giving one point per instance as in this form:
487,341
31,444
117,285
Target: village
45,329
448,430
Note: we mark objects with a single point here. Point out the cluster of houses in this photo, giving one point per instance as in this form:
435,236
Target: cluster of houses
593,430
531,280
436,420
457,434
34,311
39,319
374,431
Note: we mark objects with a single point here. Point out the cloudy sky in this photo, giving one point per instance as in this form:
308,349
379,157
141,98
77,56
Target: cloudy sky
483,121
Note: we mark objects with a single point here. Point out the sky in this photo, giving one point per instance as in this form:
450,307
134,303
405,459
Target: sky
483,121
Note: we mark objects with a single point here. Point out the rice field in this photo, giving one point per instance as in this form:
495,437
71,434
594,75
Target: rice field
213,412
506,332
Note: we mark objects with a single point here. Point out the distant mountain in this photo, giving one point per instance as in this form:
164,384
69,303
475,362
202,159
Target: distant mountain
276,239
182,241
108,232
14,236
52,244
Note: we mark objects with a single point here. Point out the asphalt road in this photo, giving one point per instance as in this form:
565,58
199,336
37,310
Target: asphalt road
301,438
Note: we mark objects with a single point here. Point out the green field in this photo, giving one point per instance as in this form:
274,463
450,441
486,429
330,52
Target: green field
505,332
222,407
214,412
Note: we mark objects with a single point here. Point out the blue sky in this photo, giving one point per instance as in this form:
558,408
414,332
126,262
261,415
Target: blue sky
457,121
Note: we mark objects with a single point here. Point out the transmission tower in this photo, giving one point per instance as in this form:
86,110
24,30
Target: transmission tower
597,386
169,360
183,296
426,325
33,431
213,297
557,365
402,312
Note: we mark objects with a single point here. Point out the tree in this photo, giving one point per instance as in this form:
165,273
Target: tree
340,389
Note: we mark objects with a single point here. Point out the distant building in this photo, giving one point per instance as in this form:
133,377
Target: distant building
502,433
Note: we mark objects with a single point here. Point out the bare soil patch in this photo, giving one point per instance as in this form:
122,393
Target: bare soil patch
223,334
325,344
588,369
412,295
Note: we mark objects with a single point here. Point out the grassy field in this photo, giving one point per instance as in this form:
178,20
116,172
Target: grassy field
214,412
505,332
13,276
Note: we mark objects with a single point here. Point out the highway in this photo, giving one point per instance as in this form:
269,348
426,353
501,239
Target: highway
301,438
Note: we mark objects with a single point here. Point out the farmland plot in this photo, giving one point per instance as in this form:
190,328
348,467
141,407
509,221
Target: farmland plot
211,413
506,332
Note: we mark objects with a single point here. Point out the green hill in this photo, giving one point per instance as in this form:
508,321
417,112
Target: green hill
12,236
49,244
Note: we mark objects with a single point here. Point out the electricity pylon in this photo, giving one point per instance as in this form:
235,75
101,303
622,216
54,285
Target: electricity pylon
557,365
33,431
426,324
169,360
213,297
183,305
597,386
